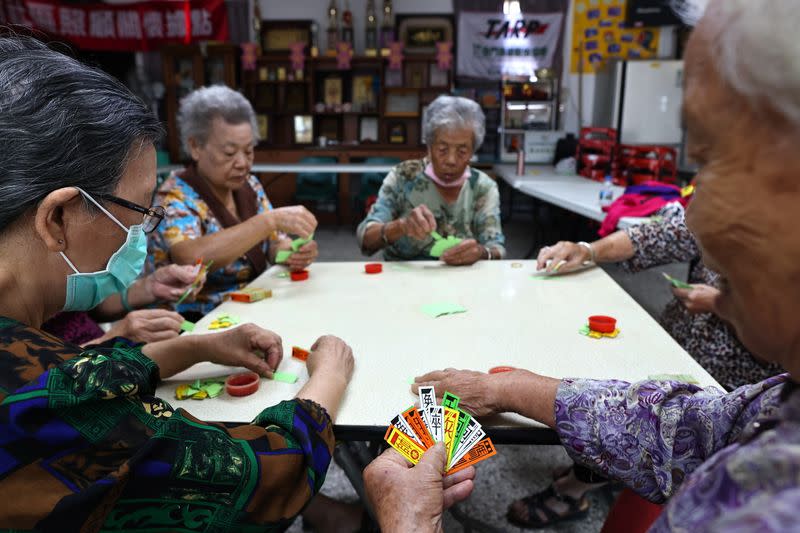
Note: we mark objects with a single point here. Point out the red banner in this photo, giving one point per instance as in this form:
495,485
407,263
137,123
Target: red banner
128,27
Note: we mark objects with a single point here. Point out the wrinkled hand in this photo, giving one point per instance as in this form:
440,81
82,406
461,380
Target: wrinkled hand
467,252
407,498
168,283
147,325
331,355
472,387
294,220
700,299
303,257
568,254
248,345
419,223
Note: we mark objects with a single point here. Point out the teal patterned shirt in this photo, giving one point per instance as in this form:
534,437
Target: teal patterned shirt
85,446
474,215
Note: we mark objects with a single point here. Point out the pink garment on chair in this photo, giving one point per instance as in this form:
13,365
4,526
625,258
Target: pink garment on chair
640,201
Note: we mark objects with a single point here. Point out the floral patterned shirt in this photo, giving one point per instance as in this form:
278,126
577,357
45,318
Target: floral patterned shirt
712,342
474,215
85,446
189,217
722,462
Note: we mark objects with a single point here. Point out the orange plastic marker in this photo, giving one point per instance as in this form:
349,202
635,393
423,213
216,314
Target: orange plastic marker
299,353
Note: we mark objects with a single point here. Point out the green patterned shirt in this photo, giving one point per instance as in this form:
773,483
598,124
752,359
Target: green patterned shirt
474,215
85,446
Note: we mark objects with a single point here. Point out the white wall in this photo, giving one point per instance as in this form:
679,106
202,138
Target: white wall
318,10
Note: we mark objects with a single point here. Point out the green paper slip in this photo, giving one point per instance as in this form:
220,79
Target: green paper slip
676,282
683,378
443,308
187,326
284,377
214,389
282,274
298,243
584,330
282,256
436,236
442,245
450,400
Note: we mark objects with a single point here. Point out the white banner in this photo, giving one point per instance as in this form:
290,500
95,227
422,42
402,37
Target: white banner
492,45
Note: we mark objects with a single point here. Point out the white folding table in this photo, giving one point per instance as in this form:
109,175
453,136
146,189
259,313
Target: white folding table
512,319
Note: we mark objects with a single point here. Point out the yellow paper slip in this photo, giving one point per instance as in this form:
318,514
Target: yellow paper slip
482,450
403,444
450,425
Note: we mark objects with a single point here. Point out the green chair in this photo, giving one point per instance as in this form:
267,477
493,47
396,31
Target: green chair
319,188
371,183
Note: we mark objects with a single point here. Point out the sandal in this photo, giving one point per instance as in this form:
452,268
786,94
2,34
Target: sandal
537,506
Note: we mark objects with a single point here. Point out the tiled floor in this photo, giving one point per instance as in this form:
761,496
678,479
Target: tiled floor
517,470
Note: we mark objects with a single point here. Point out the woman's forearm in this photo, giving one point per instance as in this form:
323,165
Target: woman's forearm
532,396
373,242
226,246
326,389
175,355
614,248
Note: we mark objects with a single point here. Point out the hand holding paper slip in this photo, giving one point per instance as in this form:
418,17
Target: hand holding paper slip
416,430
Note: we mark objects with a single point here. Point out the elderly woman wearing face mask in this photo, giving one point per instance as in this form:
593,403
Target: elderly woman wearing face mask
84,443
440,193
216,210
721,461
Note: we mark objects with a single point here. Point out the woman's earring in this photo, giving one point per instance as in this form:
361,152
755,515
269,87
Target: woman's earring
60,241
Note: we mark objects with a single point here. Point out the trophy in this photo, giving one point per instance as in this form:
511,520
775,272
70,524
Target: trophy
347,24
371,36
333,28
387,27
314,40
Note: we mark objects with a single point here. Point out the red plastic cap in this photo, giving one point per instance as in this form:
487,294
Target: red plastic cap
602,324
373,268
299,276
499,369
242,384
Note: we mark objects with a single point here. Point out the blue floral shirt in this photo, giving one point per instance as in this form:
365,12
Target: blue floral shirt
189,217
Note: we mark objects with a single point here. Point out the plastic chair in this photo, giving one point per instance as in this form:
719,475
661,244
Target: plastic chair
371,183
318,187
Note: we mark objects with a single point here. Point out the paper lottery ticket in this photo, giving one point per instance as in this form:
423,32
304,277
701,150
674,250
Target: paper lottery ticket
415,430
436,422
427,398
400,423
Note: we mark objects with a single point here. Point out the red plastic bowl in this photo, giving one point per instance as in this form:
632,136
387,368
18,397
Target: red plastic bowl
243,384
299,276
602,324
373,268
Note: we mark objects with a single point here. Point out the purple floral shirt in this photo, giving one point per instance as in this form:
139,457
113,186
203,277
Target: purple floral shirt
725,462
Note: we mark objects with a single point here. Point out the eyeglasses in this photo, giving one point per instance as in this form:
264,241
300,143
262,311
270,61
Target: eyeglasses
152,215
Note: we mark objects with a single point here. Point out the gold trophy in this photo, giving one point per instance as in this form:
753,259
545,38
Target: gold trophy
387,27
333,28
371,36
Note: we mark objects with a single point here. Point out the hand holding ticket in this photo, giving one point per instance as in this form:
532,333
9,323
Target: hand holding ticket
415,430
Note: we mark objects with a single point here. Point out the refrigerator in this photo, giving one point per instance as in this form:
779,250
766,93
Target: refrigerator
641,99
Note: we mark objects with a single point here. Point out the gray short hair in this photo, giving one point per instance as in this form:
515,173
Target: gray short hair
200,107
454,112
62,124
755,48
